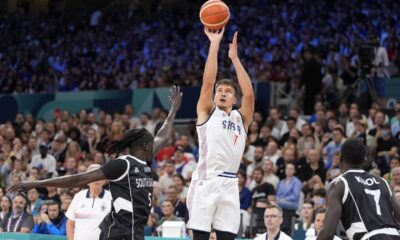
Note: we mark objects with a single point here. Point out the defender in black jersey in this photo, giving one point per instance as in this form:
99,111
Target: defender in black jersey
131,181
362,202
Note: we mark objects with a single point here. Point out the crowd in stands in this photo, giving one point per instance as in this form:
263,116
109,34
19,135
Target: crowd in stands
288,160
119,46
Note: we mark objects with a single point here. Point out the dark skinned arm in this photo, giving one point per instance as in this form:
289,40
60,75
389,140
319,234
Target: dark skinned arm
164,133
334,211
77,180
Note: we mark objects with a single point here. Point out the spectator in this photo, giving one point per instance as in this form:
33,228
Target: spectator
254,133
306,217
180,210
273,153
52,221
166,180
386,148
319,198
258,160
273,219
167,208
310,166
19,221
52,195
279,127
333,145
45,162
180,187
394,162
269,175
5,205
288,156
35,202
319,221
261,189
289,188
244,192
311,78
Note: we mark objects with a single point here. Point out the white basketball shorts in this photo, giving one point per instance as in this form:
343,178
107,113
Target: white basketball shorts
214,202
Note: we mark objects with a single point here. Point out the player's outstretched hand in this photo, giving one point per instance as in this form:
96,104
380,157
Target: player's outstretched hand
233,47
214,35
22,187
175,97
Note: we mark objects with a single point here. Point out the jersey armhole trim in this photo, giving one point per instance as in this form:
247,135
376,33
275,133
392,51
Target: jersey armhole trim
212,112
244,127
346,189
387,184
125,173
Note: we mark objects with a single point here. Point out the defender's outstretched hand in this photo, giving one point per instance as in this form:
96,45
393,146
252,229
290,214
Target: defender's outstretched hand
176,98
214,35
22,186
233,47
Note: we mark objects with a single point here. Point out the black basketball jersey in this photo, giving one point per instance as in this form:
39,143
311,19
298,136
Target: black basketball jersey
131,203
366,203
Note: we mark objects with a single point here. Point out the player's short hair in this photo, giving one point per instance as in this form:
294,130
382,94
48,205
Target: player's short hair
227,82
353,152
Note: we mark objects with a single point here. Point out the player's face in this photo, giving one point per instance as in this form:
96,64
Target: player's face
224,97
319,222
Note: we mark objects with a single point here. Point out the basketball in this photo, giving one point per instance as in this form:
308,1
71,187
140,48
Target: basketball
214,14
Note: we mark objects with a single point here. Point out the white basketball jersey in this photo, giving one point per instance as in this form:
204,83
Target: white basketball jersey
222,140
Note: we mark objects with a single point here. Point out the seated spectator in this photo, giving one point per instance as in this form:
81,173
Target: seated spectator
45,162
66,199
5,205
254,133
395,177
166,180
19,221
35,202
394,162
288,156
333,143
180,187
311,165
16,171
151,227
319,221
52,195
261,189
184,162
244,192
334,170
269,175
289,188
167,209
319,198
258,160
386,148
273,153
180,209
305,218
52,221
273,218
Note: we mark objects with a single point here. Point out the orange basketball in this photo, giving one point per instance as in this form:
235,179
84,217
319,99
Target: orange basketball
214,14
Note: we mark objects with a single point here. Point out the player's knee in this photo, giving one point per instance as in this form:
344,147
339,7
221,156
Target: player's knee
225,235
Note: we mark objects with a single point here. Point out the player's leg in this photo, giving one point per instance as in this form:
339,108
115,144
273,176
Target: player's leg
226,220
201,235
225,235
201,205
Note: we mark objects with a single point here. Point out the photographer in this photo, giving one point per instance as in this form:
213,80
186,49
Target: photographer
379,70
51,220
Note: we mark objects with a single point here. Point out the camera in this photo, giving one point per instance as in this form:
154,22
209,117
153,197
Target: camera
367,54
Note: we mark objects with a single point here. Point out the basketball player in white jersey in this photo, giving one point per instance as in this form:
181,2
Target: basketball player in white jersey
213,197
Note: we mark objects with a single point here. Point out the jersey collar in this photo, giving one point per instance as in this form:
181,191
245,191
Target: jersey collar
101,195
355,170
